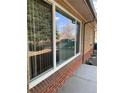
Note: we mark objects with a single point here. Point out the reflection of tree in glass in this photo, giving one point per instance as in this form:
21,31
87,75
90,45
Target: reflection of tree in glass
67,32
39,24
57,35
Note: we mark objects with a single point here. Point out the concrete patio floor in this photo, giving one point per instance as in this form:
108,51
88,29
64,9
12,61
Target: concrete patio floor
84,80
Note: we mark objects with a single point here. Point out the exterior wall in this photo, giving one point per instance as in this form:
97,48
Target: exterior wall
55,81
88,43
95,36
87,55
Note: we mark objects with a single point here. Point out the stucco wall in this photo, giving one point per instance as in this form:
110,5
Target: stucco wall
88,43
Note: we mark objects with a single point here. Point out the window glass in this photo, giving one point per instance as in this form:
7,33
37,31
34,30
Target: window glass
65,36
40,42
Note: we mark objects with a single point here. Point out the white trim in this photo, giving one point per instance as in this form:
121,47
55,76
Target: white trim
54,35
49,72
75,39
40,79
80,44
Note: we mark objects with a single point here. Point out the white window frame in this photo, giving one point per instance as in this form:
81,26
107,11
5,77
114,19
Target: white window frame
55,68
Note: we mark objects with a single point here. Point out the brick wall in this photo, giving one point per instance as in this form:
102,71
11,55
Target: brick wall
88,54
55,81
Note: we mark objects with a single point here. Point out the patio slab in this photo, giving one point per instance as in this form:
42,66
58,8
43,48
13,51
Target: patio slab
84,80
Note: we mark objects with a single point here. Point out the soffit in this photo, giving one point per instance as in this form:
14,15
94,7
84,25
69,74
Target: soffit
82,8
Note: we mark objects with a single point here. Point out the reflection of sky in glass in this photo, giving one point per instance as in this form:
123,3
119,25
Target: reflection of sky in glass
63,21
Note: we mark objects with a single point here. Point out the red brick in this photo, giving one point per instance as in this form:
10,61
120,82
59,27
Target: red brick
53,83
